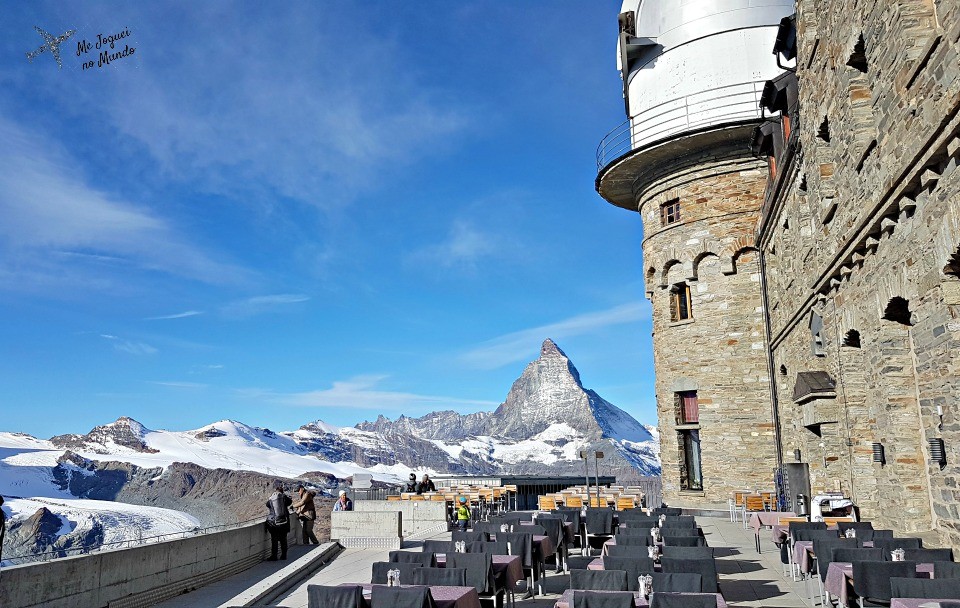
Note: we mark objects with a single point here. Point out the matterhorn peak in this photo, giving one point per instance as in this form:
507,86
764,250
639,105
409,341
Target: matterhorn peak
549,348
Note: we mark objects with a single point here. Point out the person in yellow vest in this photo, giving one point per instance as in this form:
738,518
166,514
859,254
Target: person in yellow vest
463,514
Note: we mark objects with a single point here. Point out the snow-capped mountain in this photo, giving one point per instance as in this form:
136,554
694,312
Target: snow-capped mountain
220,472
546,419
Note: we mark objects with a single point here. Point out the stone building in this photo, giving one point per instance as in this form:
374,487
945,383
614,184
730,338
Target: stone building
822,267
859,237
693,79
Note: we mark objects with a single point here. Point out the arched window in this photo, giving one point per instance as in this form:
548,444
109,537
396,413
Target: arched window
898,311
852,339
783,370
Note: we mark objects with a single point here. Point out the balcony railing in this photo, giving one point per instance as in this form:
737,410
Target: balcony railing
721,105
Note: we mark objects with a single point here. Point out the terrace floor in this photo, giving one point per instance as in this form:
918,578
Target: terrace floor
746,578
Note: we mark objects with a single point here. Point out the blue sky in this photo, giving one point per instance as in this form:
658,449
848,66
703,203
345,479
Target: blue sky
282,212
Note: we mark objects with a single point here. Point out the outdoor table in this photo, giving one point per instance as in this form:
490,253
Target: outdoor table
445,597
767,519
509,565
566,600
839,581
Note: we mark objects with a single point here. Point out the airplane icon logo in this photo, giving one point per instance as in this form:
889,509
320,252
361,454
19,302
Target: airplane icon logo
52,43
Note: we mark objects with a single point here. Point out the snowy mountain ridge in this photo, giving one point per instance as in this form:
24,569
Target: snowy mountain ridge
547,418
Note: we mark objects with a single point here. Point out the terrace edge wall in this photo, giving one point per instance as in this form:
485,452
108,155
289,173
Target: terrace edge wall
140,576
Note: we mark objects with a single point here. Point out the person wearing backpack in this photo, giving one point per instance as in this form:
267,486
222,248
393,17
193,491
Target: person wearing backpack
278,521
306,513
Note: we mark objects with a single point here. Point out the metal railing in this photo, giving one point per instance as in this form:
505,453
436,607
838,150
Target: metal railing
720,105
127,543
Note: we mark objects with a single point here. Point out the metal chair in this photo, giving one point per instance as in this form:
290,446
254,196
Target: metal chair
871,580
340,596
608,599
706,568
599,580
633,566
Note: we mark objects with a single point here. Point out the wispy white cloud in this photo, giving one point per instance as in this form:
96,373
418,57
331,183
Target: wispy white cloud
178,315
362,392
463,248
255,305
131,347
519,345
56,228
203,369
176,384
312,130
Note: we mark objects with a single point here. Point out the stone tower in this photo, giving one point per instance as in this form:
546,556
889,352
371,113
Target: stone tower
693,78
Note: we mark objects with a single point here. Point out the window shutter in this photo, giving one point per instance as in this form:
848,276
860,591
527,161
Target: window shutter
691,408
674,306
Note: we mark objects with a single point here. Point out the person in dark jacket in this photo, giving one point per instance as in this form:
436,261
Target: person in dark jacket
426,485
278,521
3,525
412,484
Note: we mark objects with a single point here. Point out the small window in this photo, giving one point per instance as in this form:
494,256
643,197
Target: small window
688,408
670,212
823,132
783,370
858,58
680,305
898,311
852,339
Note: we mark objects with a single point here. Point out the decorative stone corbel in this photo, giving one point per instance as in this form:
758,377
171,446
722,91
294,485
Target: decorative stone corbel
929,178
887,225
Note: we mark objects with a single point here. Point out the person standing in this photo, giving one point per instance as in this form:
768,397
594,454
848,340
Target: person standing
343,502
278,521
426,485
3,526
463,514
306,513
412,484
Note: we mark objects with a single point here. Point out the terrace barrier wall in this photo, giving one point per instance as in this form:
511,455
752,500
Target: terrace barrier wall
136,577
417,516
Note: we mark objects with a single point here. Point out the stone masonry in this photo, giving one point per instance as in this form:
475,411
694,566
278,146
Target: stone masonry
720,351
861,228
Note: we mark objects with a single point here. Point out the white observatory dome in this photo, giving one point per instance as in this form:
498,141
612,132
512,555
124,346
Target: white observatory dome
693,64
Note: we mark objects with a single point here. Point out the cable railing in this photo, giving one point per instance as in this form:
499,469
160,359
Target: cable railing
720,105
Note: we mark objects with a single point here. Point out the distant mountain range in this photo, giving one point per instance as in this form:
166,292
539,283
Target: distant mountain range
215,473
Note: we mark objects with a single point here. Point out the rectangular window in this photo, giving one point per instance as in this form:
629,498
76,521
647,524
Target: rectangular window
680,304
670,212
689,408
691,473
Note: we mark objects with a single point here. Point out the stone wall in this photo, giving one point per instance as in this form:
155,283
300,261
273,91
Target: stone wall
720,351
867,211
